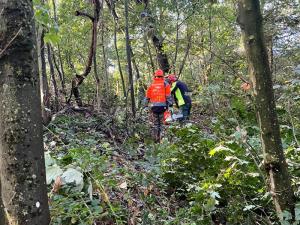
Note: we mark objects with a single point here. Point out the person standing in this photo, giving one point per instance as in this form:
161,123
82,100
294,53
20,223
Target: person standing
181,94
158,98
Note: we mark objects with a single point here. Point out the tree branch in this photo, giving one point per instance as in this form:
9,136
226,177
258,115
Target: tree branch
78,13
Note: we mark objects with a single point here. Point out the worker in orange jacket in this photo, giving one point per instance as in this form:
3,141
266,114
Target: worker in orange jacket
158,98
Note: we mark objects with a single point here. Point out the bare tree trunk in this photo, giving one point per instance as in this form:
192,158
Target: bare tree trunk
62,68
118,58
133,108
60,74
45,86
22,166
188,47
177,38
53,79
98,87
104,58
150,55
46,113
140,89
250,21
58,66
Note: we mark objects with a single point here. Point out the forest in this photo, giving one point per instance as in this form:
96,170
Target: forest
150,112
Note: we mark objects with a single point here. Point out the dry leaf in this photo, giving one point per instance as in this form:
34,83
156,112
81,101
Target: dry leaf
246,86
57,184
123,185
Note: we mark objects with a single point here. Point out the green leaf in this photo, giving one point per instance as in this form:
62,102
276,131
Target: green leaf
249,207
51,38
219,149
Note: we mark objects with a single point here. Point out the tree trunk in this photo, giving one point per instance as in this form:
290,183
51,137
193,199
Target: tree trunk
58,66
46,113
60,74
118,58
250,21
98,87
52,73
45,86
133,108
187,51
141,91
22,166
150,55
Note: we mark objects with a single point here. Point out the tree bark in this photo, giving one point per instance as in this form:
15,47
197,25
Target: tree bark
250,21
140,89
98,87
45,86
22,166
58,66
118,58
60,74
150,55
187,51
130,75
53,79
46,113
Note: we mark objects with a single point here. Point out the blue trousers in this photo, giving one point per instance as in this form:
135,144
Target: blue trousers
186,110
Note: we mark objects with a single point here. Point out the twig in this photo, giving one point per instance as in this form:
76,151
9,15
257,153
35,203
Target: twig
292,123
55,135
9,43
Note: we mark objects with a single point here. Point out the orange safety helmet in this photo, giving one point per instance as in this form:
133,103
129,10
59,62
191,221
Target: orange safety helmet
159,73
172,78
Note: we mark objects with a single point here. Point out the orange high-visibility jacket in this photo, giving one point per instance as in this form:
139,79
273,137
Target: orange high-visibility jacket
159,92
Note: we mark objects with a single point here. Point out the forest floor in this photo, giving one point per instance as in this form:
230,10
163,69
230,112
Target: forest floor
119,179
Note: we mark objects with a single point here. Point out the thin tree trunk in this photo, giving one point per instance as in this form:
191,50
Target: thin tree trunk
188,47
250,20
98,87
45,86
60,75
118,58
177,37
105,72
140,89
46,114
62,67
133,108
53,79
22,165
59,67
150,55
